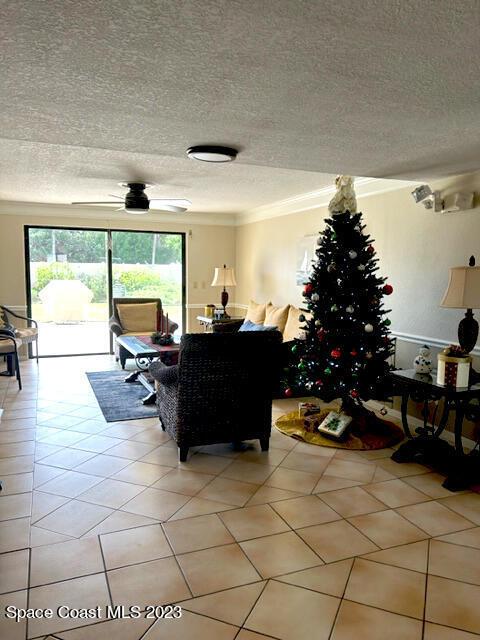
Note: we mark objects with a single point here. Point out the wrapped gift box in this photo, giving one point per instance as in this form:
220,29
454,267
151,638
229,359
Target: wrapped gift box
335,424
453,370
307,409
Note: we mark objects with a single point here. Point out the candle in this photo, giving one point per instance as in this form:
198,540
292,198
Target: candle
167,332
161,321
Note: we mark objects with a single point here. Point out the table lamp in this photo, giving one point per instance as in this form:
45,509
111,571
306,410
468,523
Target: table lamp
224,277
463,292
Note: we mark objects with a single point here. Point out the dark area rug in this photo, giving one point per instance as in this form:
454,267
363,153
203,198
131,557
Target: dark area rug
120,400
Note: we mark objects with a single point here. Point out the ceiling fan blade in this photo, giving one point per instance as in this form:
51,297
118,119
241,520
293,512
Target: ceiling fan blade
112,195
112,203
179,202
172,208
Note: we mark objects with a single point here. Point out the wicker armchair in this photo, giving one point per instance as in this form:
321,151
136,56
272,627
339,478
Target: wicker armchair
28,334
221,390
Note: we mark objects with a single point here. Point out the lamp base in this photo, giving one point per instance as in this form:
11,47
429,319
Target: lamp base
468,332
224,301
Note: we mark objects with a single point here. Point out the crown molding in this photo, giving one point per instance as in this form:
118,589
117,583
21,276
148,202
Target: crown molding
320,198
55,210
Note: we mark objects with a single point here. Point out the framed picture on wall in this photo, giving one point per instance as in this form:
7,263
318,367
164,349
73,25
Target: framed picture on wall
305,255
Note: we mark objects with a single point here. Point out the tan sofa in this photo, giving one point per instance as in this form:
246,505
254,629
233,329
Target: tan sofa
285,318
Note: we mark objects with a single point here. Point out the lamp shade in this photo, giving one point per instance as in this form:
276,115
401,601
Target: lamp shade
224,277
463,291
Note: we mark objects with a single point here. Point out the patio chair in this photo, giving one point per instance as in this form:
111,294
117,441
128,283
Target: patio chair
27,335
9,349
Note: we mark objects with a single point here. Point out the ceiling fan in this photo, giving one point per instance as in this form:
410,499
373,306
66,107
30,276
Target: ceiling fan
137,202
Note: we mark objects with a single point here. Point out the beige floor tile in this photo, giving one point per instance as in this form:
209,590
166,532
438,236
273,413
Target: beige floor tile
253,522
118,521
450,603
44,450
454,561
199,506
133,546
14,571
385,587
155,503
65,438
381,475
228,491
123,629
312,450
232,569
356,622
467,505
154,435
468,538
430,484
188,483
67,458
292,613
272,457
20,464
305,511
14,534
248,471
86,592
401,470
40,537
45,503
155,582
329,578
111,493
434,518
164,456
103,465
396,493
122,430
271,494
362,472
97,443
336,540
15,506
205,463
12,449
70,484
131,450
231,606
376,454
352,502
408,556
191,625
330,483
225,449
438,632
10,629
74,518
142,473
57,562
304,462
17,483
43,473
292,480
279,554
197,533
387,529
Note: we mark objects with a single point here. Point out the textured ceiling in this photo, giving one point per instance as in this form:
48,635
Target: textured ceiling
384,88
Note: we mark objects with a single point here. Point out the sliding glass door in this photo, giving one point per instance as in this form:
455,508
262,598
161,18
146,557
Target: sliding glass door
72,274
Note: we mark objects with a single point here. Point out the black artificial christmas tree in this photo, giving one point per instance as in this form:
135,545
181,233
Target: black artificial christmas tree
346,346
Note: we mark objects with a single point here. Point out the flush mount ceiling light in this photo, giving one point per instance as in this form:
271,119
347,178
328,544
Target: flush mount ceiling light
210,153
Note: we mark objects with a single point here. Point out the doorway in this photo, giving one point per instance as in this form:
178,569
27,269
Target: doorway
72,274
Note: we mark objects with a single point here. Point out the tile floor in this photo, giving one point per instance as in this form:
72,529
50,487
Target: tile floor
301,542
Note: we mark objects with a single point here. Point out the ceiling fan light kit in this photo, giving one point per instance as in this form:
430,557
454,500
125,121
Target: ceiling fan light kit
212,153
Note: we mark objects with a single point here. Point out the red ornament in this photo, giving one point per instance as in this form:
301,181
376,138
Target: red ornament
336,353
354,353
387,289
321,334
319,383
370,249
288,393
308,289
354,393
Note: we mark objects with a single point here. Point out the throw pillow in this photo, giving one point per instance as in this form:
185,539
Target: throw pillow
256,312
4,321
248,325
293,325
277,316
141,317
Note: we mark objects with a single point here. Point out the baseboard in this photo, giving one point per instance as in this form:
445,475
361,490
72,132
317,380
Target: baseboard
416,422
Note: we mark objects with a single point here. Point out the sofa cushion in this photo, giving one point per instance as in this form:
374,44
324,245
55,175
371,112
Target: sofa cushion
140,317
256,312
277,316
293,326
248,325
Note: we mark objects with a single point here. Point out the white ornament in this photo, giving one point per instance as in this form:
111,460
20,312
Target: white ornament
353,254
318,323
344,199
350,309
315,297
361,267
358,228
423,362
368,328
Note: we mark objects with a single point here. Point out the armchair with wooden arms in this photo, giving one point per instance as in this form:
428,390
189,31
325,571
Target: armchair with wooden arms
221,389
28,334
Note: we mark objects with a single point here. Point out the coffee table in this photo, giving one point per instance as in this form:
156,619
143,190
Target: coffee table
144,352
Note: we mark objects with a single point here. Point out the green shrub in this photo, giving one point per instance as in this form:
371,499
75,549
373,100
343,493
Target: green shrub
136,280
97,283
53,271
168,291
